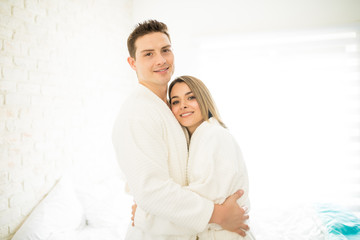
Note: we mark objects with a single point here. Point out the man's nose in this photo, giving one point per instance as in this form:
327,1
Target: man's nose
160,60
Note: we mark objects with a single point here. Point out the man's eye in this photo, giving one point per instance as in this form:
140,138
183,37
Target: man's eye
167,50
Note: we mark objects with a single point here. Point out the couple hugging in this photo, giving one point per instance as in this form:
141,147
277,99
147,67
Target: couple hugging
183,168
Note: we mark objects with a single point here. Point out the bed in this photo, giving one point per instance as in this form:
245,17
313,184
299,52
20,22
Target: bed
99,210
79,210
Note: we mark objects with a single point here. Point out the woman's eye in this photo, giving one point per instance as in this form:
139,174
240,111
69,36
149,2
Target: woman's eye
148,54
192,97
174,102
166,50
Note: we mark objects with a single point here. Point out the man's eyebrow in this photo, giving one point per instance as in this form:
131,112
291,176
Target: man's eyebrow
151,50
148,50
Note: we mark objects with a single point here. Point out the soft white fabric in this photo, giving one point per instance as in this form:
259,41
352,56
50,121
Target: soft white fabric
215,170
102,202
84,205
152,153
288,222
60,212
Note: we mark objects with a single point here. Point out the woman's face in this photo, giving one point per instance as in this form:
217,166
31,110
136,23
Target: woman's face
185,107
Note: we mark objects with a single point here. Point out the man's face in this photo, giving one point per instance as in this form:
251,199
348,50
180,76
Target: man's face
154,59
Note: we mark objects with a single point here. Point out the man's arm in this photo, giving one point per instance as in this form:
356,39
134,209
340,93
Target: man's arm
143,158
142,155
228,215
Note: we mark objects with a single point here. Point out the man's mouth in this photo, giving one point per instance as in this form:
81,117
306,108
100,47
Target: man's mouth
162,70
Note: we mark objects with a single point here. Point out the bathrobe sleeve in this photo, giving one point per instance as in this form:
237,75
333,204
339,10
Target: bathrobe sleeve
216,170
142,155
156,226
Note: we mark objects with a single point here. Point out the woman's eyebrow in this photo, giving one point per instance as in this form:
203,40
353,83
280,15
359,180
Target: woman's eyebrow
174,97
178,97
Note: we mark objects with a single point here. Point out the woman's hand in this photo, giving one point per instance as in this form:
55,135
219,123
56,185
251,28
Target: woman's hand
133,207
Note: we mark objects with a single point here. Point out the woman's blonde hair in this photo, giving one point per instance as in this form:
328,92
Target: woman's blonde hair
206,103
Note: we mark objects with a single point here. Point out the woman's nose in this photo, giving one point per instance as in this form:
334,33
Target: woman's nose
183,105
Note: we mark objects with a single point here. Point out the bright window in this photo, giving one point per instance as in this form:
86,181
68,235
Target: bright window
292,99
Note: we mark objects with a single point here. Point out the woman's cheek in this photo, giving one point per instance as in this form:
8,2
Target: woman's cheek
175,112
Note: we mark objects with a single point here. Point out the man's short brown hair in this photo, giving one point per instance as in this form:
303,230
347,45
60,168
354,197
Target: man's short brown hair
141,29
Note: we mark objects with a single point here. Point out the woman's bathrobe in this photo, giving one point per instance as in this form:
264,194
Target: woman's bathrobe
152,153
215,171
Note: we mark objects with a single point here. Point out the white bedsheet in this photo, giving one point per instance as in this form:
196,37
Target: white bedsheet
298,222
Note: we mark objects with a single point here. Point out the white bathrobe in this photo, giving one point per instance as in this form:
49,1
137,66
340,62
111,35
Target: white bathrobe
215,170
151,149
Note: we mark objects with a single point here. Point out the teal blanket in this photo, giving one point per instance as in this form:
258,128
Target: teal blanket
339,223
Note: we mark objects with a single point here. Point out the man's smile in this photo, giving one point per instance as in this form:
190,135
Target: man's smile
162,69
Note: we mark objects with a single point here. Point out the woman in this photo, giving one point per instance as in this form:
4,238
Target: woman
215,165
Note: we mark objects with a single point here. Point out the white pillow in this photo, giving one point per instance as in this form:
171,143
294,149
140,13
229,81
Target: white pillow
59,212
103,202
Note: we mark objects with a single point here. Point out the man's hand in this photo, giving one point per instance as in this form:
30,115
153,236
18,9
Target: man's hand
230,215
235,216
133,207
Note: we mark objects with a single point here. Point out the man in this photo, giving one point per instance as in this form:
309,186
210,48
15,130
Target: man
152,150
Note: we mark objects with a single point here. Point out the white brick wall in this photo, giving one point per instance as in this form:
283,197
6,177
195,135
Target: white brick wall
62,73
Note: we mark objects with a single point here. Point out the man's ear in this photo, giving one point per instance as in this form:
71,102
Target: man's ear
131,62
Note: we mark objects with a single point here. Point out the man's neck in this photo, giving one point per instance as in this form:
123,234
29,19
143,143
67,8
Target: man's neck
159,90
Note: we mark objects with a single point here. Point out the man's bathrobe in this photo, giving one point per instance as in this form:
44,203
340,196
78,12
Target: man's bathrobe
151,149
215,170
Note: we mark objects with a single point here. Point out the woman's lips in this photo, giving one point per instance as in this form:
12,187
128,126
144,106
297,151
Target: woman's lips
186,114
